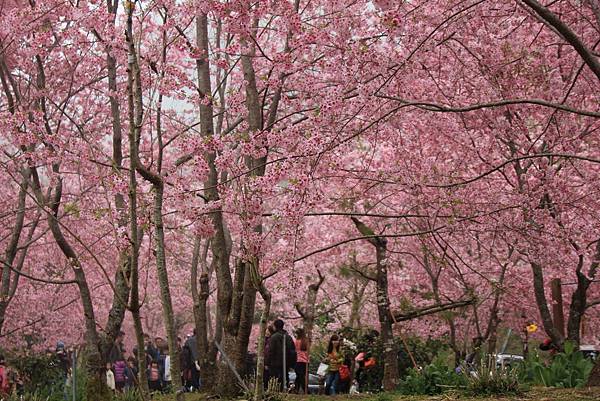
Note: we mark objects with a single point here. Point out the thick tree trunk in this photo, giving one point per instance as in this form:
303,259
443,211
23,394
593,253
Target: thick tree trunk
237,328
542,303
246,320
260,351
238,322
308,311
578,304
594,379
158,187
135,245
358,295
11,252
123,273
206,349
165,292
390,349
96,389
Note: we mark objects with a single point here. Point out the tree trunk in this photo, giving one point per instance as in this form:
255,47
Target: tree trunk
260,349
358,295
206,349
246,320
578,304
135,244
158,187
594,379
123,273
165,292
308,312
542,303
390,349
11,252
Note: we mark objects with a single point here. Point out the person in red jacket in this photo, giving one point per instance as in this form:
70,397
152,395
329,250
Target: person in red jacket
4,382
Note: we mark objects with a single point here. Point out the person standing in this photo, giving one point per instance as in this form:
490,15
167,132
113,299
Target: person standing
266,374
334,360
110,377
192,347
281,348
301,344
155,377
5,384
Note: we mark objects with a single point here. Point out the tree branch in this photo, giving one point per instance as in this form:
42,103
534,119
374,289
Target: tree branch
440,108
430,310
552,20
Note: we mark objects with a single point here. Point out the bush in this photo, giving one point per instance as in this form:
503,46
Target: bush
566,370
424,352
128,395
41,374
490,380
431,380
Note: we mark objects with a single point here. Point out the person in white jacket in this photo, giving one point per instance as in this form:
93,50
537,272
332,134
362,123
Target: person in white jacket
167,373
110,377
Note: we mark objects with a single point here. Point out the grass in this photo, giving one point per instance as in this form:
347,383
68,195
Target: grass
535,394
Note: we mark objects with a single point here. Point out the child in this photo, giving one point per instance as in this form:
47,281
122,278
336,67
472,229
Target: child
154,377
110,377
131,373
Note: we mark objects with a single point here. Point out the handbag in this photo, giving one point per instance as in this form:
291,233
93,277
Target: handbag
322,369
344,373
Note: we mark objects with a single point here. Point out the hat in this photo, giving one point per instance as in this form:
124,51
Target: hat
60,345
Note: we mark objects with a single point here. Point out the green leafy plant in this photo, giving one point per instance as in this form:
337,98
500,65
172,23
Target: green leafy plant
42,375
128,395
430,380
491,380
567,369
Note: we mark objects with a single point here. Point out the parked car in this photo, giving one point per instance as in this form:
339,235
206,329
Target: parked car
508,360
589,351
315,382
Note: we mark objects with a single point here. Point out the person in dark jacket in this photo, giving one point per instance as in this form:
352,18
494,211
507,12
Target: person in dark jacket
280,347
131,376
266,374
151,349
192,349
117,351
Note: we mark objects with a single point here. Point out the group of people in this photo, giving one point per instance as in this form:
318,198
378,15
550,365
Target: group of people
340,370
122,370
282,355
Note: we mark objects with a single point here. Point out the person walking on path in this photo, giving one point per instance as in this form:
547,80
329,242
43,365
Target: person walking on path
334,360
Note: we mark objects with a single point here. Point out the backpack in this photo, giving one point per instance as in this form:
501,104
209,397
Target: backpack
344,373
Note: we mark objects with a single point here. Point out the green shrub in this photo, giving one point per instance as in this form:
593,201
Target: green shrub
490,380
566,370
430,380
128,395
41,374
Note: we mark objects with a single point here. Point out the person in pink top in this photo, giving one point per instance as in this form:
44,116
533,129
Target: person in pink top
301,343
